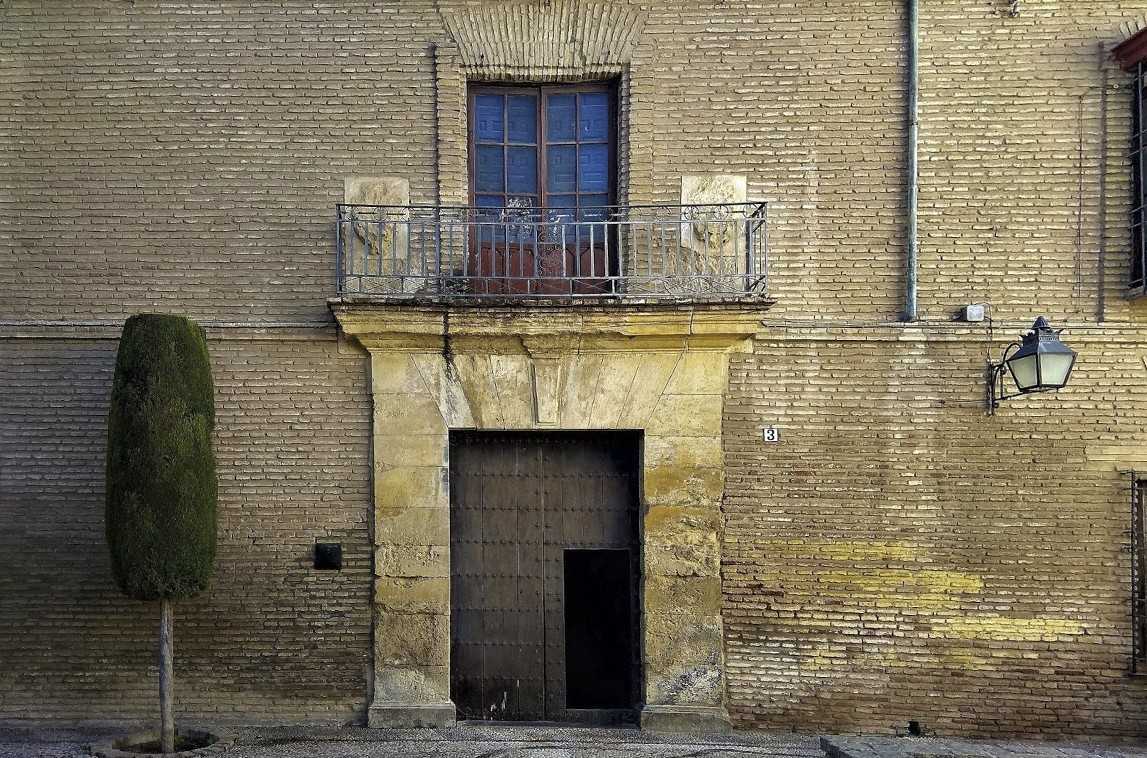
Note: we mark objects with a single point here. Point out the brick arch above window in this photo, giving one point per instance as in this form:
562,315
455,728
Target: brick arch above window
548,42
562,41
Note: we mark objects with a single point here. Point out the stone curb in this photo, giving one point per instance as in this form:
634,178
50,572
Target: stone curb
108,748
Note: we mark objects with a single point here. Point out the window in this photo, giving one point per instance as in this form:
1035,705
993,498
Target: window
542,177
543,147
1138,281
1132,57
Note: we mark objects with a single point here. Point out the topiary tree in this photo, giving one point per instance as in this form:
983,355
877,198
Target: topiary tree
161,485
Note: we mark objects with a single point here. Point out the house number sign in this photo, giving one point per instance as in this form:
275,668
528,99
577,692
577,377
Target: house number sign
771,434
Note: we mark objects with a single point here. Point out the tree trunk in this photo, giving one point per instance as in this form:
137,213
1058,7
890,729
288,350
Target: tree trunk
166,704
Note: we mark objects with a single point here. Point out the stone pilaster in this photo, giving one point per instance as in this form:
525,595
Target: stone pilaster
412,548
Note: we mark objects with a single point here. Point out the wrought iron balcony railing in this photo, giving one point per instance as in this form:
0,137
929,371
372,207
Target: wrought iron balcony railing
646,251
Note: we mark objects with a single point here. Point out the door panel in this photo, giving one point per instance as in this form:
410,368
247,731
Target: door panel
496,541
519,503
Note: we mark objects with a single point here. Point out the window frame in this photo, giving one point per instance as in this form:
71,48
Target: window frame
1131,55
474,89
1137,271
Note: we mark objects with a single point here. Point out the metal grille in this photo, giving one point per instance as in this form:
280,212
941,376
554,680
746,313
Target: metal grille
1138,576
1138,278
649,251
518,502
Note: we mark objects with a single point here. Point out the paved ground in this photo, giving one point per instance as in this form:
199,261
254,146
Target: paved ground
460,742
476,741
887,747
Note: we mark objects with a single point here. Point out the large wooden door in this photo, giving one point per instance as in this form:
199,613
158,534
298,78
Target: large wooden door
544,568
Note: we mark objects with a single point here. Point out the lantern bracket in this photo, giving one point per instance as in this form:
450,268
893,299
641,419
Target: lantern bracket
996,394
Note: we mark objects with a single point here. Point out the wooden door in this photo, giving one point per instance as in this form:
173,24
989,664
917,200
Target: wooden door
544,568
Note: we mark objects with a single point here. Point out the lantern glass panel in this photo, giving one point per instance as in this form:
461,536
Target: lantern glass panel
1024,372
1054,368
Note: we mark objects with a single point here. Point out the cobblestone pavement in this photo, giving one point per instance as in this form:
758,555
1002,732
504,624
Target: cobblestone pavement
469,741
888,747
478,741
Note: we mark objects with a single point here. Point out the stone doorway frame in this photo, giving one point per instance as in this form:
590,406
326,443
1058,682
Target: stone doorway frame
661,369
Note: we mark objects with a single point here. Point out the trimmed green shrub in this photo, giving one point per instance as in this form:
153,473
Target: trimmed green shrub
161,486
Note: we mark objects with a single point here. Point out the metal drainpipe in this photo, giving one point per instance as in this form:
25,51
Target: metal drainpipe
913,158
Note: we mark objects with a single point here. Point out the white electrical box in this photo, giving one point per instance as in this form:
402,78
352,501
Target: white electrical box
973,313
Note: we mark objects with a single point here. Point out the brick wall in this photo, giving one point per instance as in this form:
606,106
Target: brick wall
187,157
272,638
899,555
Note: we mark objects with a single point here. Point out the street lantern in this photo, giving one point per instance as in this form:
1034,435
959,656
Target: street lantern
1040,363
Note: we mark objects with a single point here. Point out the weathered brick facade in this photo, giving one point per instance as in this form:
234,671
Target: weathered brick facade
898,555
272,637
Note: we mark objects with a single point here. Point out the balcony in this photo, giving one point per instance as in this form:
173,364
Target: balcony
684,253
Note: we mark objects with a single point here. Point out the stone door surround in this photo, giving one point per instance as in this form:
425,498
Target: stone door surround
661,369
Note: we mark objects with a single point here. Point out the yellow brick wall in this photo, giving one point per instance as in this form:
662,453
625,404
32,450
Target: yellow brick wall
900,555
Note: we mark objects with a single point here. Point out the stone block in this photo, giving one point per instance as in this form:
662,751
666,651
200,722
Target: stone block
514,383
547,375
411,715
683,452
445,388
699,373
412,487
686,415
412,526
411,639
673,719
411,450
414,413
412,561
642,400
406,685
412,594
382,245
681,525
683,659
394,373
376,190
474,376
691,595
579,388
682,485
615,381
705,189
682,541
700,558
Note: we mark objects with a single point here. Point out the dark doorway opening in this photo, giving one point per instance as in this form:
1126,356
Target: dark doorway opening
599,606
543,579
